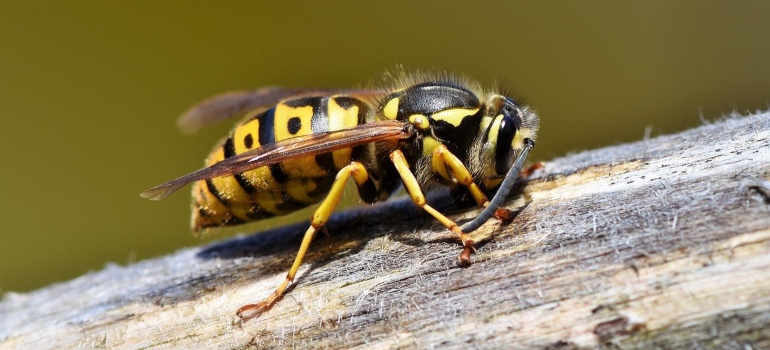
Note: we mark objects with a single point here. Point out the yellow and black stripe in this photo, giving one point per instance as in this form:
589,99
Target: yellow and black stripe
450,111
449,133
283,187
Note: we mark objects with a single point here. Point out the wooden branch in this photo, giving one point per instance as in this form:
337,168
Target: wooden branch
659,243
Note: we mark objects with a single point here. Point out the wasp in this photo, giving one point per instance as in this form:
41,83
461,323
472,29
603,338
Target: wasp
297,147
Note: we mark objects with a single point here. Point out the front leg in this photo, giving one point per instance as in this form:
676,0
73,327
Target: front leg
444,163
413,188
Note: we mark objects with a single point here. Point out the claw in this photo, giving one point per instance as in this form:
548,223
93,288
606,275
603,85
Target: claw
504,214
247,312
465,257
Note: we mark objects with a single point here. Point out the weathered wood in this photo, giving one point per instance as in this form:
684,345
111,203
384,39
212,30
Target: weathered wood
659,243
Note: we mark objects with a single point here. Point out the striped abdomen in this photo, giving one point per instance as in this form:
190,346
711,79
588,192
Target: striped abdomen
280,188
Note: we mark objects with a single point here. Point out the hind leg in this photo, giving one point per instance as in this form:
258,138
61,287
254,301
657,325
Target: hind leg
320,217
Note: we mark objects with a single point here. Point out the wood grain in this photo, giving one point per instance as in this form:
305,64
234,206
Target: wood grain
659,243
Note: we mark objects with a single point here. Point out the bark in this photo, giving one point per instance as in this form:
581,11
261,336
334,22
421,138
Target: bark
658,243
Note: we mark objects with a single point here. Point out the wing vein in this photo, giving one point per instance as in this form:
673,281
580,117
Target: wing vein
301,146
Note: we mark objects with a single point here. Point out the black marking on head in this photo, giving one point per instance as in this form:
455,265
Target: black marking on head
248,141
432,97
444,83
295,124
458,138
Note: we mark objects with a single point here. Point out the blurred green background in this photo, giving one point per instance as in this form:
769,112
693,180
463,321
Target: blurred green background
89,93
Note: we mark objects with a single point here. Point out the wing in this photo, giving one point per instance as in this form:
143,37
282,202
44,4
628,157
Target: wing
229,104
301,146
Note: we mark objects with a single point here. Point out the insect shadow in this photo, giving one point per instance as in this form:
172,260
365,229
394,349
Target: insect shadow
349,231
398,215
341,227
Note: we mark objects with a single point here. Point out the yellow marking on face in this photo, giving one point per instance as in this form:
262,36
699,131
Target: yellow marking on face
391,109
454,116
488,148
428,145
518,141
492,138
525,133
485,123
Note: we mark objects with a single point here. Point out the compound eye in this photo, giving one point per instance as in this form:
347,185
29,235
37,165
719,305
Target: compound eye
504,153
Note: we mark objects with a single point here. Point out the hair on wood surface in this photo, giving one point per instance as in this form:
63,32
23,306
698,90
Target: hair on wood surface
659,243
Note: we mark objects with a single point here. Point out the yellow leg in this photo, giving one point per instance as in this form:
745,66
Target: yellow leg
320,217
413,188
444,162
